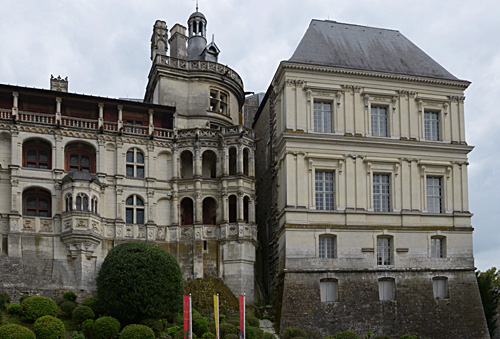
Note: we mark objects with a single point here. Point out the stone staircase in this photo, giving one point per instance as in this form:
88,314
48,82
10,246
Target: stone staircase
267,326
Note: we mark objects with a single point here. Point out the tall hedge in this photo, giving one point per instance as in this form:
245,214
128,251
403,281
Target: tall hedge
139,280
15,331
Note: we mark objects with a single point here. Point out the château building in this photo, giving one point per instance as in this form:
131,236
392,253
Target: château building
362,156
81,173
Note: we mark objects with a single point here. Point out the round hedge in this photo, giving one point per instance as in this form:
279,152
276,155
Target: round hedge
139,280
70,296
67,307
106,328
93,303
48,327
346,335
14,309
88,328
37,306
135,331
14,331
82,313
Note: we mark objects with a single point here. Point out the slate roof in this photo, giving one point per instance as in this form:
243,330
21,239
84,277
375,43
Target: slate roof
331,43
80,176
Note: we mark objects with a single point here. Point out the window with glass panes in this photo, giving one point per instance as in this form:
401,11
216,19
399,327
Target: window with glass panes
36,203
324,186
437,247
381,193
384,251
386,289
329,290
431,126
440,287
323,117
379,121
434,195
135,164
326,246
37,154
134,210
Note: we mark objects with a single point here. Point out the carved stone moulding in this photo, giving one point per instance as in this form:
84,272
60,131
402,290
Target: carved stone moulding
80,242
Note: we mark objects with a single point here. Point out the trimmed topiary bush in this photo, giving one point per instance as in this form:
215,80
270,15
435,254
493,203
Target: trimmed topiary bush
88,328
268,335
346,335
67,308
200,326
70,296
252,332
382,337
4,300
93,303
232,336
14,309
78,335
226,328
82,313
14,331
49,327
209,335
135,331
37,306
253,321
156,325
106,328
152,272
408,336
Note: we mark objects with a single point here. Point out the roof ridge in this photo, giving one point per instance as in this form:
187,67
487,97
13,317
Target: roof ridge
355,25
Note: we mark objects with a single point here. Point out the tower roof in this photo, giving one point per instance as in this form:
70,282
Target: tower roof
331,43
197,14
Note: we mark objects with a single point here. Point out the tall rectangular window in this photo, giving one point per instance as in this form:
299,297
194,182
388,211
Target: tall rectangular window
324,185
326,246
386,289
440,287
329,289
431,125
434,195
379,121
384,251
323,117
438,247
381,193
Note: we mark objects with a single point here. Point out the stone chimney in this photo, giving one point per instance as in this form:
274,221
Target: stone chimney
159,39
178,41
58,84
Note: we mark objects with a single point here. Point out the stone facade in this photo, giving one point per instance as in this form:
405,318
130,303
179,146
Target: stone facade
81,174
370,228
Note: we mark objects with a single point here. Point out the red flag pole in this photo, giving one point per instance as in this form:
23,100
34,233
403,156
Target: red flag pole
188,324
242,316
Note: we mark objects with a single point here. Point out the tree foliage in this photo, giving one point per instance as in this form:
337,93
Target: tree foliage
489,287
139,280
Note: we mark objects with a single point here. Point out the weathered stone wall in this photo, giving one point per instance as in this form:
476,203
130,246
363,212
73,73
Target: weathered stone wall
413,311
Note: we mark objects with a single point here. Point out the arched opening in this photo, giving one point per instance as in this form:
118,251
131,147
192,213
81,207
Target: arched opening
209,211
186,164
186,211
209,162
134,210
36,203
69,202
79,157
37,154
245,161
246,203
82,202
93,205
232,208
232,161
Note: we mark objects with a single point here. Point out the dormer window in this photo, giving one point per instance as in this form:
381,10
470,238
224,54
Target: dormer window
218,101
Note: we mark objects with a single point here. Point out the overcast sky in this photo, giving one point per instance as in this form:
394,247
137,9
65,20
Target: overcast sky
103,46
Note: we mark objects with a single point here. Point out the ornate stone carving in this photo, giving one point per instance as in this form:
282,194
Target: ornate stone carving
14,182
13,225
67,224
96,227
233,231
109,231
45,226
128,232
142,233
28,224
161,233
209,232
82,223
119,232
187,232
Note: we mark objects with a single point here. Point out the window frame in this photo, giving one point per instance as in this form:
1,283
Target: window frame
441,288
378,118
383,207
322,118
438,247
134,165
79,149
134,208
435,133
429,197
37,194
327,246
218,101
387,289
38,146
323,195
385,255
329,285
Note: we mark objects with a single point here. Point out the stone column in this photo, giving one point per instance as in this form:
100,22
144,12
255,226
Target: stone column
151,126
240,215
224,208
120,117
225,160
239,157
197,172
15,103
251,210
175,162
100,120
174,214
58,110
198,208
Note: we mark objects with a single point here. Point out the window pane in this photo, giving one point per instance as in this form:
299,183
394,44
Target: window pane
130,156
381,193
140,216
379,121
43,203
139,202
140,172
325,193
85,160
44,214
31,202
130,170
129,216
31,155
140,158
130,201
323,117
43,156
73,159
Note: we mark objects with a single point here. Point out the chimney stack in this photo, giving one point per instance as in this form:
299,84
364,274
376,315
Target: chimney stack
178,41
58,84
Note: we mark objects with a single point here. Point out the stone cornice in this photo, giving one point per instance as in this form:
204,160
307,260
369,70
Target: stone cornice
462,84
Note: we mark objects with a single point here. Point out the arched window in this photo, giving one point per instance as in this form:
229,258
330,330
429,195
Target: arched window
80,157
246,203
69,202
245,161
209,162
232,161
82,202
93,205
186,165
233,208
209,211
186,211
135,163
36,203
134,210
37,154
